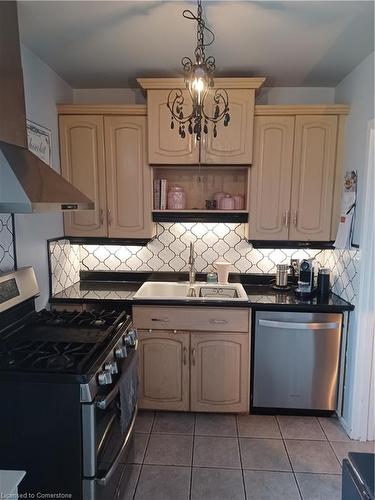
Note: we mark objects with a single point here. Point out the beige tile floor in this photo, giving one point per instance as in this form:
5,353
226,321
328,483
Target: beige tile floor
187,456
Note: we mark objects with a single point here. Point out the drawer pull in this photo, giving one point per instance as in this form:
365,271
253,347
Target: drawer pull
218,321
162,320
184,356
193,353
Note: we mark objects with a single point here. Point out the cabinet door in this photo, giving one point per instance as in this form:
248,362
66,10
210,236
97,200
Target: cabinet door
165,146
313,177
83,164
128,178
219,372
234,143
163,370
270,178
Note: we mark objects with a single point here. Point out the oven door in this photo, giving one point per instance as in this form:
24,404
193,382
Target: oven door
105,446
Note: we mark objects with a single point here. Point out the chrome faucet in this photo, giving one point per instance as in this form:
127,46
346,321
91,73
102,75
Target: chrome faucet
191,291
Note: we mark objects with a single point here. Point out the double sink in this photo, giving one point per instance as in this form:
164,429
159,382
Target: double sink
155,290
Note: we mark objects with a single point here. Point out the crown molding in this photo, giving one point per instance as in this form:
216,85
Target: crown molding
101,109
302,109
179,83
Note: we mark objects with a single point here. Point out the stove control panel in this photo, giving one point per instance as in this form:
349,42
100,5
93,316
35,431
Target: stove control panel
121,352
104,378
130,338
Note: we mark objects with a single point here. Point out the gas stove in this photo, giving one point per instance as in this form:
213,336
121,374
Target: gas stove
61,341
69,384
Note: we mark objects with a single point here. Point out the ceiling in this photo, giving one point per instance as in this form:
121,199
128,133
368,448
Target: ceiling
94,44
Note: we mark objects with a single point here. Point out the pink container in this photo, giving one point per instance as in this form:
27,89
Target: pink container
176,198
218,197
226,203
239,202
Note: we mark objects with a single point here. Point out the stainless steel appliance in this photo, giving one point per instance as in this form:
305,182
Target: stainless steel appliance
69,387
282,271
296,360
358,476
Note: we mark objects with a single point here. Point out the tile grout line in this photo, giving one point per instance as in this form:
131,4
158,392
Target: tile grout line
144,456
239,451
192,457
289,459
330,444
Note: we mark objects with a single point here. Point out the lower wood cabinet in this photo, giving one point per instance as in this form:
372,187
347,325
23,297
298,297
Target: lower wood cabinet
219,376
194,370
163,370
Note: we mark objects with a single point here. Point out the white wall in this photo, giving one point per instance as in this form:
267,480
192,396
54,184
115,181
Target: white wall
357,90
266,95
43,89
296,95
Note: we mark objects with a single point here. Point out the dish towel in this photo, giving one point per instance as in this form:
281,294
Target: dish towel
128,387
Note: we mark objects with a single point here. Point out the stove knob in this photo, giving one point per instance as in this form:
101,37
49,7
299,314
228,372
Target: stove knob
104,378
130,338
111,367
121,352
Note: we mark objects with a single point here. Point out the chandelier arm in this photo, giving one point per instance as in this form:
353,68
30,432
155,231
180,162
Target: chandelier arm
220,97
178,100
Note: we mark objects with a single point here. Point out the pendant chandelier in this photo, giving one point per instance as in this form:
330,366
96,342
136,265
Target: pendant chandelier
199,83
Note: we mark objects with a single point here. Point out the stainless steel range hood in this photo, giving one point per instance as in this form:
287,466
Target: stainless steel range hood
27,184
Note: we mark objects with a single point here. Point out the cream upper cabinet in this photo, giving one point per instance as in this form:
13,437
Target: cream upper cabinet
219,372
106,158
83,164
296,176
313,177
163,370
128,177
233,144
270,177
165,146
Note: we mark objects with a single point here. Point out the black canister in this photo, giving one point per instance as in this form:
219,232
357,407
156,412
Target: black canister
324,281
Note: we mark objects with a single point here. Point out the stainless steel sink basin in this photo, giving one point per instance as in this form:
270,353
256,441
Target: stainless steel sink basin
155,290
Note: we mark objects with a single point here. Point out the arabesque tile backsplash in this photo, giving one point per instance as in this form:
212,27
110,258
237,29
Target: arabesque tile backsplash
7,254
169,251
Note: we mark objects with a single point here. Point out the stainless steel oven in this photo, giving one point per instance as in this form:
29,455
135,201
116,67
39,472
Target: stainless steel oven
106,439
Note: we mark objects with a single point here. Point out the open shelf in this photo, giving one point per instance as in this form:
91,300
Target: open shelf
201,183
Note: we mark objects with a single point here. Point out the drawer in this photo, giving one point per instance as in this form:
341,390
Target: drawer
191,318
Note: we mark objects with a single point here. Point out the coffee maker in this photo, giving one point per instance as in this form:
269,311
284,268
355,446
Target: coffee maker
305,287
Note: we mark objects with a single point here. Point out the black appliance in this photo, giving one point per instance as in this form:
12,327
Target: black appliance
62,375
358,472
305,287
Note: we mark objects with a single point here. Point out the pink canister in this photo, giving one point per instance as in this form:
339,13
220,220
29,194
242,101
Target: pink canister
218,197
239,202
226,203
176,198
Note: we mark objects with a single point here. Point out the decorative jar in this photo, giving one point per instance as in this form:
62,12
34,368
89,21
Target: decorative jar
176,198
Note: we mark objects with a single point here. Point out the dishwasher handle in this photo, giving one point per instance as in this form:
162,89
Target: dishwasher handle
298,326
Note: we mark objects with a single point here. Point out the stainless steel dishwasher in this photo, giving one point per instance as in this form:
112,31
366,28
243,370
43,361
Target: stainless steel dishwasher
296,360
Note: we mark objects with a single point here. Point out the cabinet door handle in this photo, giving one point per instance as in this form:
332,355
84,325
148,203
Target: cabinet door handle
184,355
286,218
101,217
162,320
109,216
295,217
193,353
218,321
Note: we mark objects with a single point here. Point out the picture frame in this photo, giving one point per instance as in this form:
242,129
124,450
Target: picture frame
39,140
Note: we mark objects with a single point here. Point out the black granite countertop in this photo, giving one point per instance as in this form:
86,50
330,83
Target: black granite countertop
110,286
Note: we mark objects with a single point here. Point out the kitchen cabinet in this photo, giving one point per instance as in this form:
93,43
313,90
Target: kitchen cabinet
83,164
296,176
105,157
233,144
199,363
219,372
163,370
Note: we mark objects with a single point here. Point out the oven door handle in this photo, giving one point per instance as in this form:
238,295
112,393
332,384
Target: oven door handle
102,481
102,402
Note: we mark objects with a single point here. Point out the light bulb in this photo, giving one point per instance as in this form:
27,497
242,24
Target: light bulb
198,85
